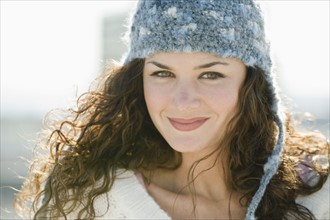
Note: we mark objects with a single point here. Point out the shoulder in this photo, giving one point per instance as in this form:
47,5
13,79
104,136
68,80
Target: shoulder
318,202
128,199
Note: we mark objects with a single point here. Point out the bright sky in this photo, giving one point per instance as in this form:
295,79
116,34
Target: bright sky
51,50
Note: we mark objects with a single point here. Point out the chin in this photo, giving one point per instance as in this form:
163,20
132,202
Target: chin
187,148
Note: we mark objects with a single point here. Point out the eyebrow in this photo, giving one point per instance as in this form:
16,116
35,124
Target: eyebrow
159,65
207,65
211,64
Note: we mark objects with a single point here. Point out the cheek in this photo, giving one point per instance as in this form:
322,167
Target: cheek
154,97
224,101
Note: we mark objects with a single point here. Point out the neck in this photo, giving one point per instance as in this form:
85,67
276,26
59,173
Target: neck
200,179
206,174
202,175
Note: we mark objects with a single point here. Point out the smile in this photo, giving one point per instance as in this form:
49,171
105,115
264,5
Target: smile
187,124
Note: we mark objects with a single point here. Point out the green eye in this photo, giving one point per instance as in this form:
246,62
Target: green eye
211,75
162,74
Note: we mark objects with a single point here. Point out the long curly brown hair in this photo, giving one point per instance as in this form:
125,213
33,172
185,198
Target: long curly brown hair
111,129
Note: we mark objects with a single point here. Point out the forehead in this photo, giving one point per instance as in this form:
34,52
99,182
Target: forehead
174,55
195,58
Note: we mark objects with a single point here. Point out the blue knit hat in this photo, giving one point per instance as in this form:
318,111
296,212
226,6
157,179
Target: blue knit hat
227,28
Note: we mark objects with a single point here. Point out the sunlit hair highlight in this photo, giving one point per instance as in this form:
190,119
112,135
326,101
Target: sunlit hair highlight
250,139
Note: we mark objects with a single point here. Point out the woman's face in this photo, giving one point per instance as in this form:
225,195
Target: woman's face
191,97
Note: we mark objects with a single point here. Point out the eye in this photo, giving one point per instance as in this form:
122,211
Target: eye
211,75
162,74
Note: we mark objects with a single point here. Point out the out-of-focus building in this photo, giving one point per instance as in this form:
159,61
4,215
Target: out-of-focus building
112,34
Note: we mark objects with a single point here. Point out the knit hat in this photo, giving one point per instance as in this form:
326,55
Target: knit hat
225,28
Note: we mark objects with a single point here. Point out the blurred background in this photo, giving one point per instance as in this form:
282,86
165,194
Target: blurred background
52,50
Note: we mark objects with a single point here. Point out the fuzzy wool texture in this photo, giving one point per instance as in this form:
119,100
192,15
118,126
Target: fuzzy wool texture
128,199
225,28
270,168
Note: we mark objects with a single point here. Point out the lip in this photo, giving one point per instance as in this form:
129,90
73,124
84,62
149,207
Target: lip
190,124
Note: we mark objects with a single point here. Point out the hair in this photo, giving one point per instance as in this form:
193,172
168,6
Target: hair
111,129
250,139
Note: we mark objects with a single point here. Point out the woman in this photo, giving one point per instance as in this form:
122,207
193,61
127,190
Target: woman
188,127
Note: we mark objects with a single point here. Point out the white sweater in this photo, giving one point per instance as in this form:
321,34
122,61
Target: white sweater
128,199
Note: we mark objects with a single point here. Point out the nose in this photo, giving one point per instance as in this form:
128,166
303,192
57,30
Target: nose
186,96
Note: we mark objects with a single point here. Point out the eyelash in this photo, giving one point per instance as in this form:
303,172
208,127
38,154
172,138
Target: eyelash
165,74
214,75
